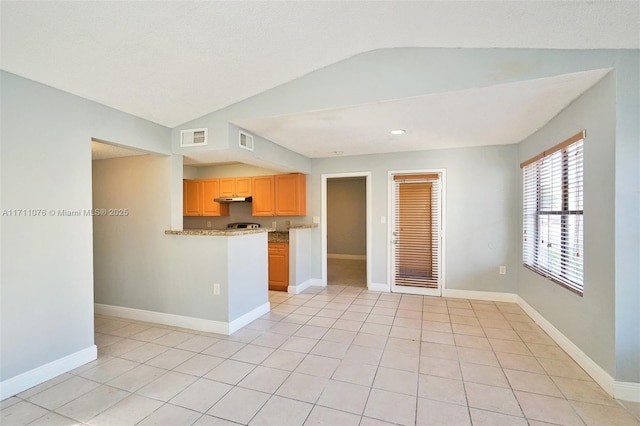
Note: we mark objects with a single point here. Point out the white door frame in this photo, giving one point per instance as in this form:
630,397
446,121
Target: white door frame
323,219
390,223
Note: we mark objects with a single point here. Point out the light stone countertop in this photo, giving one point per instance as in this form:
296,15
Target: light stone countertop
283,236
279,237
304,226
218,232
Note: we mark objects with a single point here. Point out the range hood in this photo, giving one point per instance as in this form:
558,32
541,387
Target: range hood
232,199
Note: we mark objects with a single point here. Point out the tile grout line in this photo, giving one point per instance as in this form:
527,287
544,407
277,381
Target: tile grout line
345,292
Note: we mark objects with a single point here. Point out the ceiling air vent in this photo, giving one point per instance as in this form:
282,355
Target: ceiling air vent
246,141
193,137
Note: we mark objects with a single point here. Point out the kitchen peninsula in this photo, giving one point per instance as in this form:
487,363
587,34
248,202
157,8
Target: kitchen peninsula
219,261
222,276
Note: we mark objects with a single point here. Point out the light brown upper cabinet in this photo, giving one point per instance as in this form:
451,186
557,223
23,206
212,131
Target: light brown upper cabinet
211,190
235,187
263,193
291,194
279,195
191,197
198,198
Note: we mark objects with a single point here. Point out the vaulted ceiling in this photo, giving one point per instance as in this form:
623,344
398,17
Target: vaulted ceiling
173,61
500,114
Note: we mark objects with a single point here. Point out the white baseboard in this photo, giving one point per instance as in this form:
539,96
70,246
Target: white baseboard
210,326
594,370
45,372
480,295
378,287
626,391
317,282
245,319
346,256
297,289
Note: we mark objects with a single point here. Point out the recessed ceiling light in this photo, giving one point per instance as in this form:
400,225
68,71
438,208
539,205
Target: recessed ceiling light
338,152
397,131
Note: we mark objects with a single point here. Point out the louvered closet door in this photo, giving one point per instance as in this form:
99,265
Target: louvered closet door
416,234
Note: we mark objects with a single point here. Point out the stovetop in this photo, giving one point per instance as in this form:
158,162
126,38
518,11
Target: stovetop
243,225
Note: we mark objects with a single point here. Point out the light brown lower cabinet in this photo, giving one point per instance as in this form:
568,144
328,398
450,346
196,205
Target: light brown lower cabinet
278,266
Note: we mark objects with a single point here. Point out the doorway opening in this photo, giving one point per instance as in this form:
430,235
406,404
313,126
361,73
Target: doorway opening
122,205
346,227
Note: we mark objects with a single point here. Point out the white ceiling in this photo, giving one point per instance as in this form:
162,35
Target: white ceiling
173,61
104,150
495,115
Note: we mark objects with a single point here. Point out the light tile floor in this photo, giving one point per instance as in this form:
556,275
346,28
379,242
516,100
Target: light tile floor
352,272
335,356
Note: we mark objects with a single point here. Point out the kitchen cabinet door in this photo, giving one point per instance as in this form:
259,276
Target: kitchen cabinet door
263,193
211,190
278,266
191,197
235,187
243,187
227,187
291,194
197,198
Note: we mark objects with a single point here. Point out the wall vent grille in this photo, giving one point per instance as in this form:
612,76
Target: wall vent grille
193,137
245,141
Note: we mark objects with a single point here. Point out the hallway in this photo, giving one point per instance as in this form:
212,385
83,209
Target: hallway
351,272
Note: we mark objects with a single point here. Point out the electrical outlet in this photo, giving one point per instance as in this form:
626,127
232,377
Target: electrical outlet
316,219
274,225
216,289
208,224
383,219
288,223
503,270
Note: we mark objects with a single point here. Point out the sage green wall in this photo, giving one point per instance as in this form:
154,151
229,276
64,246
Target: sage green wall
46,309
248,271
481,233
232,170
627,217
131,252
589,321
347,216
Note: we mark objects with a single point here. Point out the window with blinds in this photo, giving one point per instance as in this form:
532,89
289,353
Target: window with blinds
553,243
416,230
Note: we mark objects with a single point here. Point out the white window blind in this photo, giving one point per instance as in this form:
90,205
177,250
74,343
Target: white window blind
553,243
417,230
